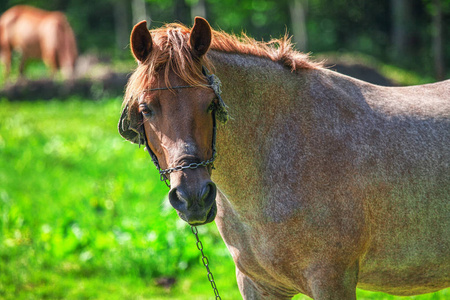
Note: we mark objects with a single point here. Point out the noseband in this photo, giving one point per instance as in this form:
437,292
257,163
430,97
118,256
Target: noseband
213,83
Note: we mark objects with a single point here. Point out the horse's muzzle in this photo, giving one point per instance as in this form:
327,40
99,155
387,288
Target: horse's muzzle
195,206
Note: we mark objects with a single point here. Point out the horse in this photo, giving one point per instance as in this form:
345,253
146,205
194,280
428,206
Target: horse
319,183
37,33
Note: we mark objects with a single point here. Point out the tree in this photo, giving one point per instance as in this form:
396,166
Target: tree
121,24
198,9
438,44
401,22
139,11
298,11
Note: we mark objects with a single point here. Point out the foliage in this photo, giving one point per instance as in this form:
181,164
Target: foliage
84,203
344,25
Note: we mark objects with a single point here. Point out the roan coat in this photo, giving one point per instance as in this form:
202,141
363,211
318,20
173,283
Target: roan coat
324,182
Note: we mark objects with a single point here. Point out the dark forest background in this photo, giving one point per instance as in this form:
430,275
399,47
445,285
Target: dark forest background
411,34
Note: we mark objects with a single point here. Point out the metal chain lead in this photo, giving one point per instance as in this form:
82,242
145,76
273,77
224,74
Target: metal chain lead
163,173
190,166
205,262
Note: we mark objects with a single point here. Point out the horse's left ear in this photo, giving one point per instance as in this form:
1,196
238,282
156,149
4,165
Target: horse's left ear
141,41
200,39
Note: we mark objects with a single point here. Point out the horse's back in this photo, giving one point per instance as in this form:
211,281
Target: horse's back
407,189
429,101
20,24
385,152
42,34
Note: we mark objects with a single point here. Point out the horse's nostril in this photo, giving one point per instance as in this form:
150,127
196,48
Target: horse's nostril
205,192
177,200
208,194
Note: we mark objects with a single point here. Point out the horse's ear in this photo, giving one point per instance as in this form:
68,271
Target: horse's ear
130,124
141,41
200,39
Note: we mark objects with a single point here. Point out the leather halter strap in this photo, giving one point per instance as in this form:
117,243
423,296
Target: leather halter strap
177,87
164,173
214,83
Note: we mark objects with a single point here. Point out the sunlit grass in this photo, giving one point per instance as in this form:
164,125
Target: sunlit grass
75,198
34,69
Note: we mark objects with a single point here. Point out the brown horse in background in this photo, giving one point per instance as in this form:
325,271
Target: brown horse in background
323,182
37,33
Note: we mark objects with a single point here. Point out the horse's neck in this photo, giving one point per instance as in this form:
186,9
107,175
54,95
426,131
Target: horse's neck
259,93
252,83
273,112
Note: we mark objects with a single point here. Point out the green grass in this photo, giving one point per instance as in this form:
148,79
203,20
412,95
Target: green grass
34,69
83,214
77,201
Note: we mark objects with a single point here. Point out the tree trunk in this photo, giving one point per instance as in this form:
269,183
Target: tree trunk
198,9
139,11
438,49
298,11
181,11
401,27
121,25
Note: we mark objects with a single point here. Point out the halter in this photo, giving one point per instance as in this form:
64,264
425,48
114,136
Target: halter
213,83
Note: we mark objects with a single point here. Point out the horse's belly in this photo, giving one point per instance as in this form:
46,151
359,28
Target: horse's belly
405,282
407,262
409,247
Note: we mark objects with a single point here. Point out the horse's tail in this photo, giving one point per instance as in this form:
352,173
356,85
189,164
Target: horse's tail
67,49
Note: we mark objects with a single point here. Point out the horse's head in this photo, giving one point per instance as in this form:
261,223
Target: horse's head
170,106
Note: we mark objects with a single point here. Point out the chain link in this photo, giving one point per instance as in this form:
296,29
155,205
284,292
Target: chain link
190,166
205,262
163,173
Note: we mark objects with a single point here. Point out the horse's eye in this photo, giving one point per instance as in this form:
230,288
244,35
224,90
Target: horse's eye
145,110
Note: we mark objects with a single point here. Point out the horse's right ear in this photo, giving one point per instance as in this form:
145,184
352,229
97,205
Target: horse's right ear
130,124
141,41
201,35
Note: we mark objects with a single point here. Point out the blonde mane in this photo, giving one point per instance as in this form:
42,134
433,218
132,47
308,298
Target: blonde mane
171,51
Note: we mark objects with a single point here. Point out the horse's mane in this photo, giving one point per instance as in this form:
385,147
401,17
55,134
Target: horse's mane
281,50
171,51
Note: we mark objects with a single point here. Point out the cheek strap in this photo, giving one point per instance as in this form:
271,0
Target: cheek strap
164,174
220,111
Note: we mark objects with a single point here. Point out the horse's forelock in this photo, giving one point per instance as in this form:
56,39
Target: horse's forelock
171,52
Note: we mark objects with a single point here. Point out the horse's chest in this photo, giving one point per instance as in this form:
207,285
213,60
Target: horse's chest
263,254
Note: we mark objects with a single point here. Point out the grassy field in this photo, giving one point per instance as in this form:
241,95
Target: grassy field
83,214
